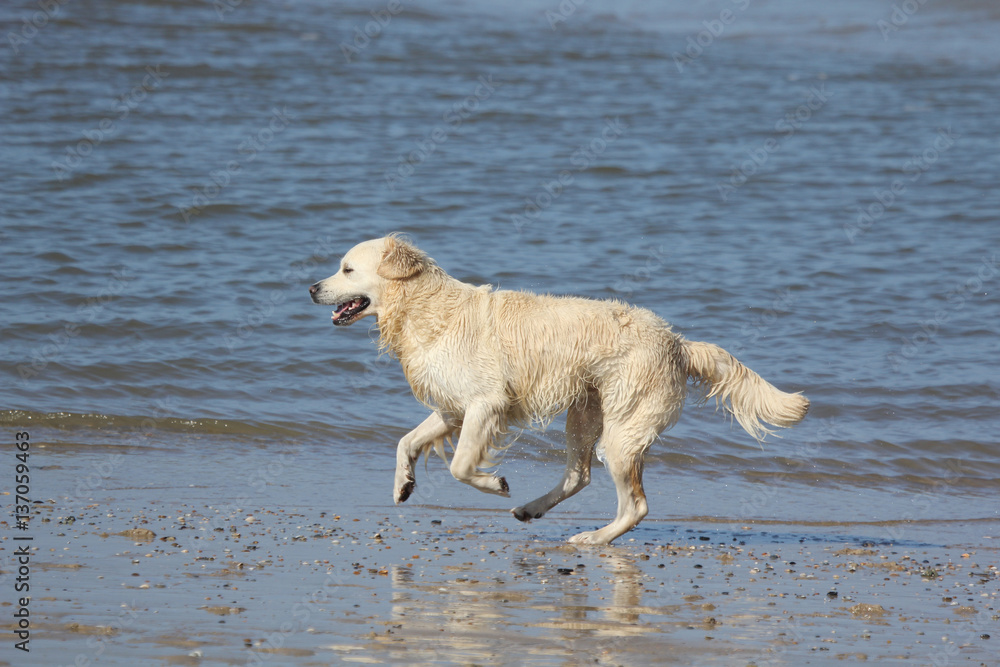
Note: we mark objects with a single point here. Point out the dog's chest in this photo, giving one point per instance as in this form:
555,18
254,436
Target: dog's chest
445,378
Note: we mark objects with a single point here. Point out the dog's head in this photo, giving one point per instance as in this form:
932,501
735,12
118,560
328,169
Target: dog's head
356,290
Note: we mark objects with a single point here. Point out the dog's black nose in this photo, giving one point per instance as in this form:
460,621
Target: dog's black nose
314,288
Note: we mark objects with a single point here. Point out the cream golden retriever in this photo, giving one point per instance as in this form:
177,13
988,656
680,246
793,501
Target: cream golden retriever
485,360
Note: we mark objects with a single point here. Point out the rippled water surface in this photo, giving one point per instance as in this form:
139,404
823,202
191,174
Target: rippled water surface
810,185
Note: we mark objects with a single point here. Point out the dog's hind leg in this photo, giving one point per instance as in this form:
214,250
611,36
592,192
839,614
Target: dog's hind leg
583,427
624,448
481,424
410,446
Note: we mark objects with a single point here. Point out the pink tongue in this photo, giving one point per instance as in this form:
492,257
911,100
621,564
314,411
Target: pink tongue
340,311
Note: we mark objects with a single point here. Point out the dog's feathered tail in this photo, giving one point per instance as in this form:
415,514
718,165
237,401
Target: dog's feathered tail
743,393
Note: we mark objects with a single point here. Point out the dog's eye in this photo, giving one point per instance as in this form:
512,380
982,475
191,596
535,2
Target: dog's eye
347,269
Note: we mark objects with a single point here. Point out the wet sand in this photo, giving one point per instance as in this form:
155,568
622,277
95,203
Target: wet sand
170,573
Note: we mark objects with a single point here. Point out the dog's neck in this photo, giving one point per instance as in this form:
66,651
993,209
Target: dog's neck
413,315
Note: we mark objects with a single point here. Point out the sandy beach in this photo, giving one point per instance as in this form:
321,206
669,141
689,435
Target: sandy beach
179,574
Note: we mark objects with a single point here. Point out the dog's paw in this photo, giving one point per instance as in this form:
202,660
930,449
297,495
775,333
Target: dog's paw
403,492
589,537
504,488
526,515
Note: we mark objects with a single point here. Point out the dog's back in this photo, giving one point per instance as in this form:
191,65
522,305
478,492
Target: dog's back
552,350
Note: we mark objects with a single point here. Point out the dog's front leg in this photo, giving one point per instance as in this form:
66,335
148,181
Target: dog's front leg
409,448
482,424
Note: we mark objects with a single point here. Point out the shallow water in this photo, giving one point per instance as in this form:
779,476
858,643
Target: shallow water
811,191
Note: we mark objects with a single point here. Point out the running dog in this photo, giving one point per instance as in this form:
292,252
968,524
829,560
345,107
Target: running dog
485,360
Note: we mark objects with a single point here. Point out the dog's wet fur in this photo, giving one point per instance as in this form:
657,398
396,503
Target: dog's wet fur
485,360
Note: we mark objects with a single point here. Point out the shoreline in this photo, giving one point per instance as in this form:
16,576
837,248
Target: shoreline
169,574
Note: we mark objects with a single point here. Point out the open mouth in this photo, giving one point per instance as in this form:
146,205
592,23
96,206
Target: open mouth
349,311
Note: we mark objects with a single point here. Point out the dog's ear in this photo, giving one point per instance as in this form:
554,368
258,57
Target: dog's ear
401,260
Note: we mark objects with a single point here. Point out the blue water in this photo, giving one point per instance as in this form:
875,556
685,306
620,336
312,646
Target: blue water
810,185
